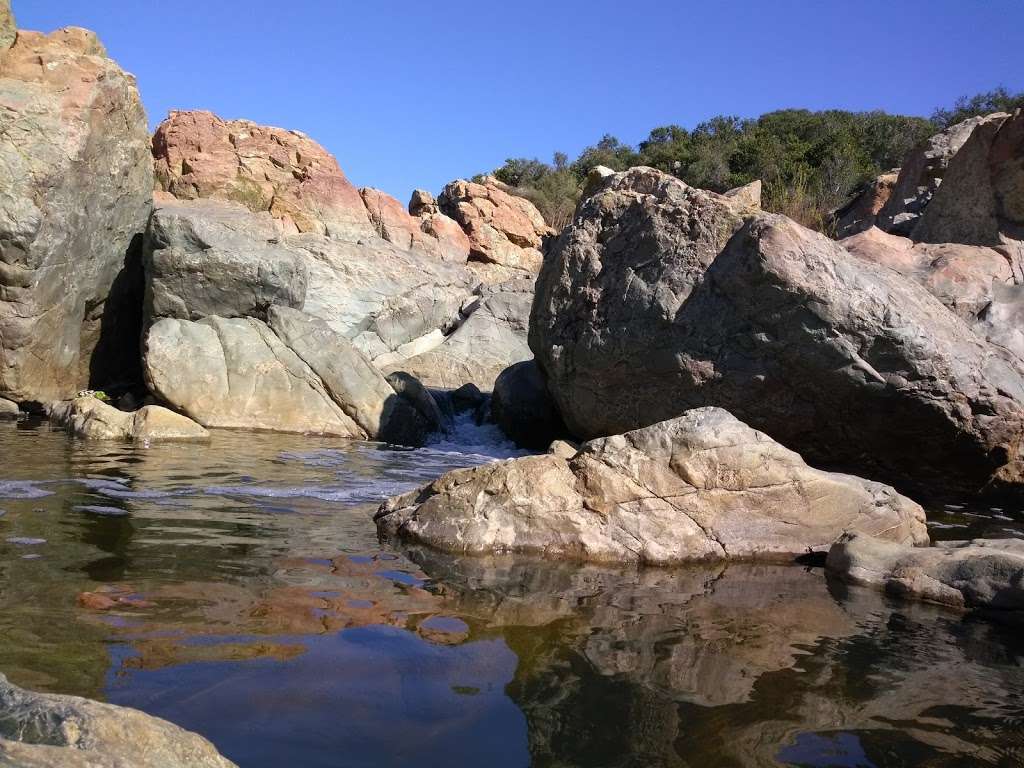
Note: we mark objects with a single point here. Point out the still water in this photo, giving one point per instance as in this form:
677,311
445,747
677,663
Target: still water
238,589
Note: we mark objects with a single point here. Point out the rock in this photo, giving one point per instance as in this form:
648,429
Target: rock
8,29
377,295
861,212
985,573
352,381
50,731
563,449
390,218
523,408
922,173
433,232
502,228
703,486
8,409
422,203
747,196
207,257
92,419
412,391
75,190
241,375
198,155
660,297
492,338
981,200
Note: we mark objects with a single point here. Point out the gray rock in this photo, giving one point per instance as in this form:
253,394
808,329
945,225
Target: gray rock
411,389
50,731
985,573
524,409
8,29
235,372
8,409
92,419
493,337
207,257
660,297
352,381
703,486
76,181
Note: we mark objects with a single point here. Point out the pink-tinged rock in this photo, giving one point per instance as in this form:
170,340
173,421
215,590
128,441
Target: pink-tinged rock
390,218
199,155
75,190
502,228
452,244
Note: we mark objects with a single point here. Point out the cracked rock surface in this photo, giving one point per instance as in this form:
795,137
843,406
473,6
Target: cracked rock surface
703,486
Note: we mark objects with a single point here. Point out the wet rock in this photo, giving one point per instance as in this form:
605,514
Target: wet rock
239,374
92,419
50,731
524,409
420,398
283,172
703,486
207,257
492,338
503,229
75,190
984,573
660,297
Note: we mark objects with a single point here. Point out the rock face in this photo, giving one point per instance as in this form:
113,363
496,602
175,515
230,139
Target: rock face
491,339
431,232
92,419
503,229
524,409
861,213
46,731
659,298
239,374
703,486
75,190
986,573
8,29
198,155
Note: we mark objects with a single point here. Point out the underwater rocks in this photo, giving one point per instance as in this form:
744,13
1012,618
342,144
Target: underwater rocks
703,486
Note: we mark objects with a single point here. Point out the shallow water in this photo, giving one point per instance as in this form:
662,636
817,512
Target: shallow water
238,589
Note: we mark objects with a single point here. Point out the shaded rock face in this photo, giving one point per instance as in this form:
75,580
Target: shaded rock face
76,179
861,213
524,409
987,573
92,419
703,486
492,337
660,298
198,155
503,229
43,730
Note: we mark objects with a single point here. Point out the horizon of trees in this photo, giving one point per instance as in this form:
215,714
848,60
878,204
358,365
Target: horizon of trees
810,163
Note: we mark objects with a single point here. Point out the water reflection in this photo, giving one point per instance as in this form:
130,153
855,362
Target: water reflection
239,590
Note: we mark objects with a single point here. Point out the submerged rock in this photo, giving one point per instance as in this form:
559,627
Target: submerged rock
660,297
92,419
76,185
703,486
49,731
985,573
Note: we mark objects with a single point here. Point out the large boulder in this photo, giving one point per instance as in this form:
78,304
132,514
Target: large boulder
235,372
660,297
76,184
492,337
92,419
198,155
703,486
524,409
212,258
40,730
503,228
985,573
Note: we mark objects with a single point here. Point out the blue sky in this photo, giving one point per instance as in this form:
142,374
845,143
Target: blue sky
410,94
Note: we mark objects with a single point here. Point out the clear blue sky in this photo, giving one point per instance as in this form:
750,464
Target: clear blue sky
410,94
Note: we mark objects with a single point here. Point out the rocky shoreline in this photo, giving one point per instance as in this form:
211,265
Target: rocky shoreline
711,381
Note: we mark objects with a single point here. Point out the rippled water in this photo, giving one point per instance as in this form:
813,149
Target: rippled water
238,589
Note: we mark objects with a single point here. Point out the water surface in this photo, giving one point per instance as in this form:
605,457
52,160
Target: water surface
238,589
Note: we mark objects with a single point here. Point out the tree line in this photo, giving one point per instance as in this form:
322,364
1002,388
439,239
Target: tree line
809,162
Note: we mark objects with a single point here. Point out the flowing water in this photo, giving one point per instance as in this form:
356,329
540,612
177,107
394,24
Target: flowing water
238,589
